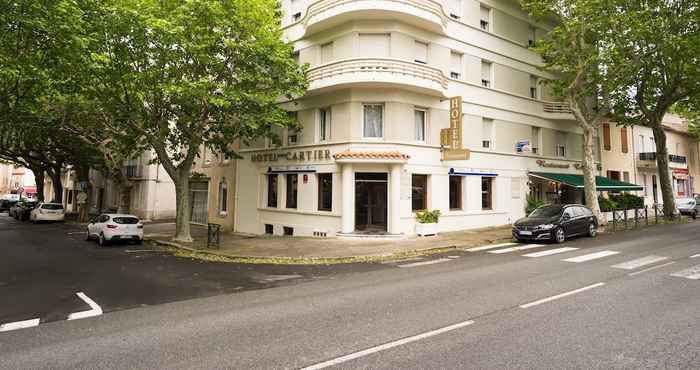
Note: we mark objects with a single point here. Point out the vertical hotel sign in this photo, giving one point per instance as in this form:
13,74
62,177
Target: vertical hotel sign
451,138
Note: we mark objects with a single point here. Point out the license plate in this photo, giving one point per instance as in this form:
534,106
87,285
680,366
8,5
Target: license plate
525,232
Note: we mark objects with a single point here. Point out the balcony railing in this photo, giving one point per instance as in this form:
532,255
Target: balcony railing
425,9
651,156
556,107
677,159
647,156
382,70
132,171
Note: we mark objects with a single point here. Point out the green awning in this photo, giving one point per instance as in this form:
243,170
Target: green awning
576,181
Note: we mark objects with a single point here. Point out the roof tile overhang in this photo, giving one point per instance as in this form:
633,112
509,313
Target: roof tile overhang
349,156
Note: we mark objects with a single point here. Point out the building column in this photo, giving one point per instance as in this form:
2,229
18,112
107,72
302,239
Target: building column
348,195
395,199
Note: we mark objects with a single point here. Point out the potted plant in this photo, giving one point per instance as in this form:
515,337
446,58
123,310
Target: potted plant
427,222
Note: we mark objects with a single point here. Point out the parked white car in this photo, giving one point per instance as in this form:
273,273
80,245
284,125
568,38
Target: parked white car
110,227
47,212
688,206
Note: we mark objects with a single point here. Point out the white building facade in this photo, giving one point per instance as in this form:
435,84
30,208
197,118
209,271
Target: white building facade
382,73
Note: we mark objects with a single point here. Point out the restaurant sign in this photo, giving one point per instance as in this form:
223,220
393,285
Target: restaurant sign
292,156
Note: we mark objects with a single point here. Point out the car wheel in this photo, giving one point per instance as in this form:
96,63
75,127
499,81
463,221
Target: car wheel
88,237
139,241
101,240
592,230
694,215
559,235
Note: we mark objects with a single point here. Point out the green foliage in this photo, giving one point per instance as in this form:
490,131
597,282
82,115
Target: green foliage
532,203
607,204
428,217
620,202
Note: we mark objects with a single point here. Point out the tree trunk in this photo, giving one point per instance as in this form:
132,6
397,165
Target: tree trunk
125,187
39,179
182,200
589,169
55,175
664,172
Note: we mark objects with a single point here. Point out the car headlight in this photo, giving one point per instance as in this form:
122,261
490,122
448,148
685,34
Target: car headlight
545,227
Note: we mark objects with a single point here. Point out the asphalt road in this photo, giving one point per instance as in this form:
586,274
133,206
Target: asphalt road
476,310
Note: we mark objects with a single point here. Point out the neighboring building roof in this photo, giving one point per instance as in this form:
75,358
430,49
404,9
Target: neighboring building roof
371,155
576,181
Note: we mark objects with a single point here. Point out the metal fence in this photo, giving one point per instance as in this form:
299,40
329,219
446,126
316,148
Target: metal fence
636,216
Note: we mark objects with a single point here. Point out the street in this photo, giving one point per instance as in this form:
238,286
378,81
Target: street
625,300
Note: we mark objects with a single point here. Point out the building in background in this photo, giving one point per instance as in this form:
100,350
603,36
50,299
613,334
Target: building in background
213,190
15,178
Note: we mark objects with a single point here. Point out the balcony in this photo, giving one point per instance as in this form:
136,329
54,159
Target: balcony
328,13
378,71
674,160
132,171
558,107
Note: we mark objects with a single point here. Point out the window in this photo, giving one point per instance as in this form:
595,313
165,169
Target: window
292,134
419,119
561,150
455,8
325,192
223,197
295,56
623,139
269,229
641,144
375,45
533,87
272,191
486,193
626,176
419,192
324,124
614,175
644,184
296,17
532,36
292,190
535,144
455,65
455,192
327,52
486,74
606,137
373,125
420,52
288,231
486,133
485,19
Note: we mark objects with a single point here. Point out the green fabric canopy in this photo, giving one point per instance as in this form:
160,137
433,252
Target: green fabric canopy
576,181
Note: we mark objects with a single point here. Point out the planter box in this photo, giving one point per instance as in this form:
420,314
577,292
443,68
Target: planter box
426,229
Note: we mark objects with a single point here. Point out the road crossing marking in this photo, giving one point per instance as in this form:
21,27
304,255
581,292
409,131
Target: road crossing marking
94,310
492,246
651,268
639,262
19,325
550,252
689,273
519,248
544,300
416,264
591,256
385,346
695,255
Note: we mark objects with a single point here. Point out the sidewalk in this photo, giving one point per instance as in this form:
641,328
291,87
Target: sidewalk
278,247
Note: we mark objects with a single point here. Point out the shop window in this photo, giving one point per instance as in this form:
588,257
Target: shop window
419,192
373,126
419,119
269,229
292,190
487,193
272,191
455,192
325,192
288,231
324,124
223,197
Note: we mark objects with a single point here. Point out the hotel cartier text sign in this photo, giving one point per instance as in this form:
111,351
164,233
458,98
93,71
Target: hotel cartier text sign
293,156
451,138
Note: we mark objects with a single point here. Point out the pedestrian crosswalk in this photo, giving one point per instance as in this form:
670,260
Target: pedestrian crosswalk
692,273
639,262
550,252
591,256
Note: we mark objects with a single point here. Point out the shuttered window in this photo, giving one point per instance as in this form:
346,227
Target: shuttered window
326,52
606,137
623,139
420,52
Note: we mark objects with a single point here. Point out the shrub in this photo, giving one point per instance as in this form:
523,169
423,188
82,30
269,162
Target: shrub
532,203
607,204
428,217
628,201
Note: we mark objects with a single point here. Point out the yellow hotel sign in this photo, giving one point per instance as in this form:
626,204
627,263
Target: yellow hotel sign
451,138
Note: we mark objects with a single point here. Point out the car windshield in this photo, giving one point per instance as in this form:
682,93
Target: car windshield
52,206
546,211
126,220
685,201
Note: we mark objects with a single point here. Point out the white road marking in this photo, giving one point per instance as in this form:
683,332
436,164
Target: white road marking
487,247
272,278
689,273
453,257
550,252
695,255
591,256
19,325
94,310
77,232
544,300
415,264
650,268
519,248
639,262
385,346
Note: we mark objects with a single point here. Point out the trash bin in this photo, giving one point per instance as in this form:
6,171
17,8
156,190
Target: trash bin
213,231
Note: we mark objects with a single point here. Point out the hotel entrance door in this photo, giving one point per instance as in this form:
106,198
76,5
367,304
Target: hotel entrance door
371,202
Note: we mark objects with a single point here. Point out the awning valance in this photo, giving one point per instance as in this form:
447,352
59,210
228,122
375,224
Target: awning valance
576,181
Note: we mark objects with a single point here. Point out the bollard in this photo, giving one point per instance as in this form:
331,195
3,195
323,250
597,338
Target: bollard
626,225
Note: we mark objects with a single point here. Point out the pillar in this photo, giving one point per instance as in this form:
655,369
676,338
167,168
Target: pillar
395,199
348,195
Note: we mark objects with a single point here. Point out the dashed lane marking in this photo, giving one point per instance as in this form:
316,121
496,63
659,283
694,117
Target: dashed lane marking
591,256
519,248
550,252
650,268
487,247
385,346
689,273
19,325
95,309
639,262
695,255
548,299
416,264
